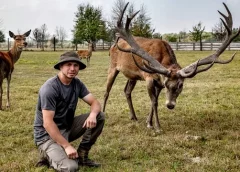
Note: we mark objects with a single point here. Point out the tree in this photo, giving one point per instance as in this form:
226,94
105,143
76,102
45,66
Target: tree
142,25
61,35
54,40
237,39
157,35
41,36
88,24
196,33
171,37
2,36
44,35
182,35
37,36
219,31
117,10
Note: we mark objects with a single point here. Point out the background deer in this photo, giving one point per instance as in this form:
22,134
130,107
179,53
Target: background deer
86,53
8,59
154,61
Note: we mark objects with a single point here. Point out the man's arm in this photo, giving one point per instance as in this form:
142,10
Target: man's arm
95,107
55,134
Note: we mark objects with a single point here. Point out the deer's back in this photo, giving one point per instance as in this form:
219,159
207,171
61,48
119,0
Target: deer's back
124,62
83,53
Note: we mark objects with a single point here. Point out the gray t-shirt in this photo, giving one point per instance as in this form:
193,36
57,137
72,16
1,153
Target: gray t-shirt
63,99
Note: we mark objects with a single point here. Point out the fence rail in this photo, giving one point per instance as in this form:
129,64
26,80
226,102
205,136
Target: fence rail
179,46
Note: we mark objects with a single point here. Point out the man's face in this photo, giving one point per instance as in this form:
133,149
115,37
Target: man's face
70,69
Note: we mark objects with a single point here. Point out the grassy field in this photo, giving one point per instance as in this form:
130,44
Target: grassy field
201,133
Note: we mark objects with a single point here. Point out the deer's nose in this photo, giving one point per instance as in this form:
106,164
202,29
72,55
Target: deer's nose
25,44
170,106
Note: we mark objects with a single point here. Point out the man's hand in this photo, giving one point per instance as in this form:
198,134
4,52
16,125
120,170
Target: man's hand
71,152
90,122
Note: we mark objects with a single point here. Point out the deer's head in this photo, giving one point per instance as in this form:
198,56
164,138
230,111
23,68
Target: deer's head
173,76
19,40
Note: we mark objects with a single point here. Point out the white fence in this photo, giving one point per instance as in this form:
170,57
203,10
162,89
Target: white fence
185,46
179,46
206,46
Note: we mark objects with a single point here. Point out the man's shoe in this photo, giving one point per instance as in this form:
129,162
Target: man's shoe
83,159
88,162
42,162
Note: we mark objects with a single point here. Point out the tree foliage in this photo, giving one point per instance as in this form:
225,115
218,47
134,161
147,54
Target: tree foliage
196,33
142,25
37,36
54,40
41,36
171,37
182,36
89,25
2,36
117,10
219,31
61,35
237,39
157,35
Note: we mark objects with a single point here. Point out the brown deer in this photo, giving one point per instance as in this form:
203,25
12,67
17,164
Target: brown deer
86,54
154,61
8,59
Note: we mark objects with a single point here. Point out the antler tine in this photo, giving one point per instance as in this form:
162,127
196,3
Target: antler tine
119,22
210,60
125,34
129,19
228,19
142,68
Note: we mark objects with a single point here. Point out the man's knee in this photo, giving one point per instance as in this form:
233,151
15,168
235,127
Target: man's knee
101,116
69,165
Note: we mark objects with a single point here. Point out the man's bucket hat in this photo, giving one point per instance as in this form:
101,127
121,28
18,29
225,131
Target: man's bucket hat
70,56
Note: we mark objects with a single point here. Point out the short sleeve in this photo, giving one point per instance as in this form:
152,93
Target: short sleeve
83,91
48,97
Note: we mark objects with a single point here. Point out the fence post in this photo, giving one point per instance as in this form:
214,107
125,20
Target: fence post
54,43
211,46
193,46
176,45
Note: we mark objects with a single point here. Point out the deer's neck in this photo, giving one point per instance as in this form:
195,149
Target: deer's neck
14,54
90,49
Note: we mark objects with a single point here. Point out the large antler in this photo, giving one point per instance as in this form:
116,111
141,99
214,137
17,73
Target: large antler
153,65
192,69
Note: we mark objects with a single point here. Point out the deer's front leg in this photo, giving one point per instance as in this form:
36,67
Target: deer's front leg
1,92
8,88
154,89
128,90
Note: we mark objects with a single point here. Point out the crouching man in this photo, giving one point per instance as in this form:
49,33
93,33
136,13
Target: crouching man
56,125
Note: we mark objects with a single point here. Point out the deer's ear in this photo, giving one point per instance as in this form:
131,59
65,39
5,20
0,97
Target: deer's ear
27,33
11,34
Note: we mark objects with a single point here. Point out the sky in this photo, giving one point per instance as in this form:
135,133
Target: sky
167,16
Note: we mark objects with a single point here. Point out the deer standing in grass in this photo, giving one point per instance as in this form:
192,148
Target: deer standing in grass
154,61
86,54
8,59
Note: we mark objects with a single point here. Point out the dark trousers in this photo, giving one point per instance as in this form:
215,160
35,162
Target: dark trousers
56,155
89,135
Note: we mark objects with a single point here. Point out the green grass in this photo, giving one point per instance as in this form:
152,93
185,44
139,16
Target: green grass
201,133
